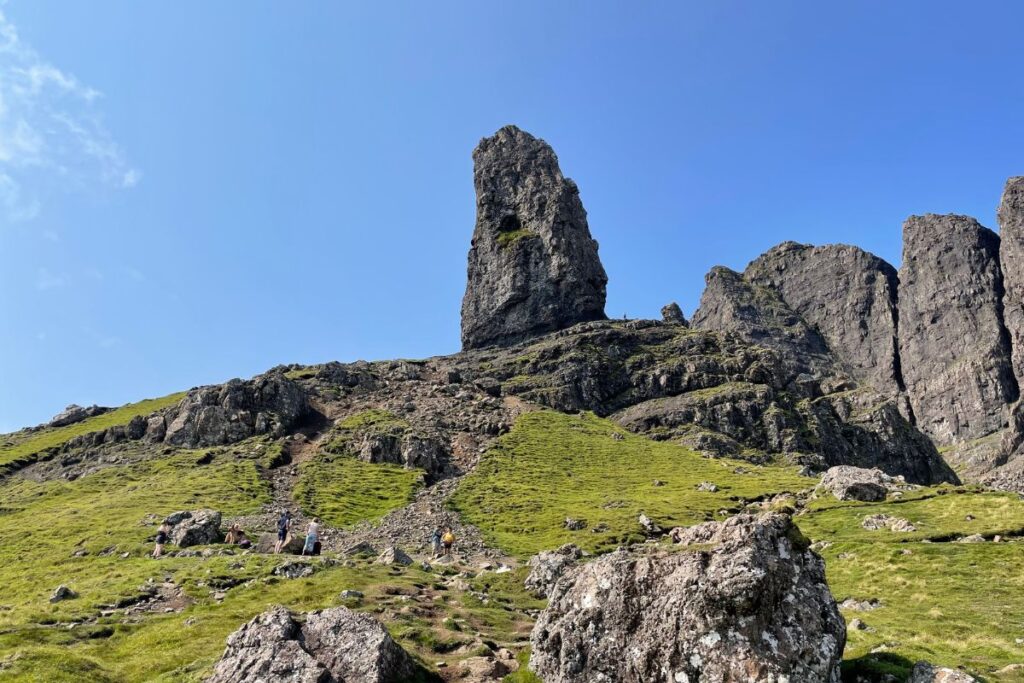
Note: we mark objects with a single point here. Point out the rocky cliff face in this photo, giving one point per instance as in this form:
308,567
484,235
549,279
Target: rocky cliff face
533,266
1011,261
848,296
954,349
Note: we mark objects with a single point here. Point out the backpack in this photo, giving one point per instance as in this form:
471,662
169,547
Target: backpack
448,538
282,524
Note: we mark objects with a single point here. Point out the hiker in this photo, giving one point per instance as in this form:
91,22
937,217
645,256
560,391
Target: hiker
236,536
435,541
312,545
163,534
284,527
448,540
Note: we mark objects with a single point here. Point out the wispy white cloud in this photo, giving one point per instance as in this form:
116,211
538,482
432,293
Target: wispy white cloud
47,280
51,131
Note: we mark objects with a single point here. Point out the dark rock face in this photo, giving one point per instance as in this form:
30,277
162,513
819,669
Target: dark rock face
954,349
673,314
1011,261
758,315
753,607
330,645
533,266
848,296
230,412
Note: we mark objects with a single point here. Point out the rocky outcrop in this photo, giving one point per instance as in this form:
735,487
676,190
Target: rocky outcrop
330,645
198,527
671,313
759,316
928,673
1011,262
226,413
753,606
548,566
533,266
848,296
857,483
75,413
954,349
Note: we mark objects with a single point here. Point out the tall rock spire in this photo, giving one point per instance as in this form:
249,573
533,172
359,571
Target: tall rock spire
533,266
1011,258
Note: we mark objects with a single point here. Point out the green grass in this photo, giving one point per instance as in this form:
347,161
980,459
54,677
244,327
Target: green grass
17,451
552,466
510,237
374,418
343,491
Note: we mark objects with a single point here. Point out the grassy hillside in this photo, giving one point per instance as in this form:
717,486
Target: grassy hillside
342,490
22,448
552,466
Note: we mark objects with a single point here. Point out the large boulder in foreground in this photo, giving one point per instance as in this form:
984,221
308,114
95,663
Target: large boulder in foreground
548,566
330,645
227,413
198,527
533,266
954,348
752,607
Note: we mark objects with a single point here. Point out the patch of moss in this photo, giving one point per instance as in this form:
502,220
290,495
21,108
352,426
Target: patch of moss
508,238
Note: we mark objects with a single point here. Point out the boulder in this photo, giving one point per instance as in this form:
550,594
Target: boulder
857,483
393,555
928,673
62,592
533,265
335,644
268,541
954,348
227,413
648,525
673,314
294,570
75,413
198,527
548,566
895,524
753,606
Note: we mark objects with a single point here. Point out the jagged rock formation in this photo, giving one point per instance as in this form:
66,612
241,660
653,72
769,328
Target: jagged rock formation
1011,262
848,296
75,413
330,645
215,415
549,566
671,313
755,606
954,348
757,314
533,266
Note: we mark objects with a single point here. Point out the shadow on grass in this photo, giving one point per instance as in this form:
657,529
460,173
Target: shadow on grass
877,667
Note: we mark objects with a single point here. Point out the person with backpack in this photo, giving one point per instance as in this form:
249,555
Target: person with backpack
435,541
163,534
312,544
284,527
448,540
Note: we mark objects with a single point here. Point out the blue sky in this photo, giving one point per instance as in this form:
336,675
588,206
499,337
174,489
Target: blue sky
195,191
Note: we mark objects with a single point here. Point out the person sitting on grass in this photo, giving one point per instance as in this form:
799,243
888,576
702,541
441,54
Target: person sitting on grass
236,536
163,534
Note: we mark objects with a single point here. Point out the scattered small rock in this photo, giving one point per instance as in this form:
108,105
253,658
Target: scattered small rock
895,524
62,592
574,524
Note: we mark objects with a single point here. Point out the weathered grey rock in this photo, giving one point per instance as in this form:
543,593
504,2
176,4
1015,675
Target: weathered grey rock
198,527
894,524
857,483
268,542
954,349
671,313
393,555
848,296
758,315
533,265
236,410
548,566
753,607
75,413
927,673
335,644
62,592
1011,261
294,570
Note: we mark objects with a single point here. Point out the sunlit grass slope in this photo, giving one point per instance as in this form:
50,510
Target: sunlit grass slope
343,490
552,466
